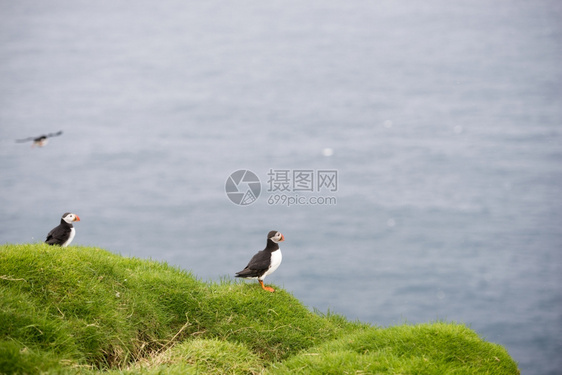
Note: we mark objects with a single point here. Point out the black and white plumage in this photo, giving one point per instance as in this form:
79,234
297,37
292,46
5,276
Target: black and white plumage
41,140
64,233
266,261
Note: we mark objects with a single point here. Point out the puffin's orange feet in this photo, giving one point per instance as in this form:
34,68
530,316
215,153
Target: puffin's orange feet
269,289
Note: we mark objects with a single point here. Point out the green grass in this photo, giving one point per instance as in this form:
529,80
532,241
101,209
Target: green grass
86,310
436,348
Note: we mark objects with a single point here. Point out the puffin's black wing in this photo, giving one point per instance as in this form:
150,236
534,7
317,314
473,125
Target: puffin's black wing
58,235
54,134
25,139
257,266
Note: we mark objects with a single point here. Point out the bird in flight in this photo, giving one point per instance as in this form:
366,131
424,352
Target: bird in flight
41,140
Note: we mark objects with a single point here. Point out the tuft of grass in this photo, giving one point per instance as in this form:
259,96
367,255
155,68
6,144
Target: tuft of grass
86,310
274,325
436,348
199,356
91,306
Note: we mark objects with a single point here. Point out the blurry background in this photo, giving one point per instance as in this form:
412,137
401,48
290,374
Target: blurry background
444,119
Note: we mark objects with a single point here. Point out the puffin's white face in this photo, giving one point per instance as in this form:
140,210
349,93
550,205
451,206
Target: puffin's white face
69,218
278,237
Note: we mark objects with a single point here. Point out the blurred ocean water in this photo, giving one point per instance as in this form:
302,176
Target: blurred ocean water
444,120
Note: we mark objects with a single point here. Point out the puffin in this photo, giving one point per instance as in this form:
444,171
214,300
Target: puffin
265,262
39,141
63,234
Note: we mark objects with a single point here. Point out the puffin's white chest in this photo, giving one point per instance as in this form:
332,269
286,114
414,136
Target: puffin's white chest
70,237
276,258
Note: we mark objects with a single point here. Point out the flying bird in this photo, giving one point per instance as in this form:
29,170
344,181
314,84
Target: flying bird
41,140
266,261
64,233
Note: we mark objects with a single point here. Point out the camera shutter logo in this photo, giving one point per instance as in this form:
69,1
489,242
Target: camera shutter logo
243,187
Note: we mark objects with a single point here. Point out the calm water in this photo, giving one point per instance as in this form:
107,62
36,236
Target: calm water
444,120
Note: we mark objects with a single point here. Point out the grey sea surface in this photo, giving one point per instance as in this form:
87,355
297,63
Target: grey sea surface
440,123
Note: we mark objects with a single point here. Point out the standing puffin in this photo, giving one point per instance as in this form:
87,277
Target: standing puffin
266,261
64,233
39,141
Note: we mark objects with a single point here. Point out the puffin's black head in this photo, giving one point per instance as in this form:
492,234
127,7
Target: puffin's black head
275,236
70,217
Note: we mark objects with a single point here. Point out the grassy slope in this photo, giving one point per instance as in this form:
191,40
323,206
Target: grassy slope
83,309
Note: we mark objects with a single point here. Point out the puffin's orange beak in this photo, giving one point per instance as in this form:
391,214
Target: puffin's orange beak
282,238
77,218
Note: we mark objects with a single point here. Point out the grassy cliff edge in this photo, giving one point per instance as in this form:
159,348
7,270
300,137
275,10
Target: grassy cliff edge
87,310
